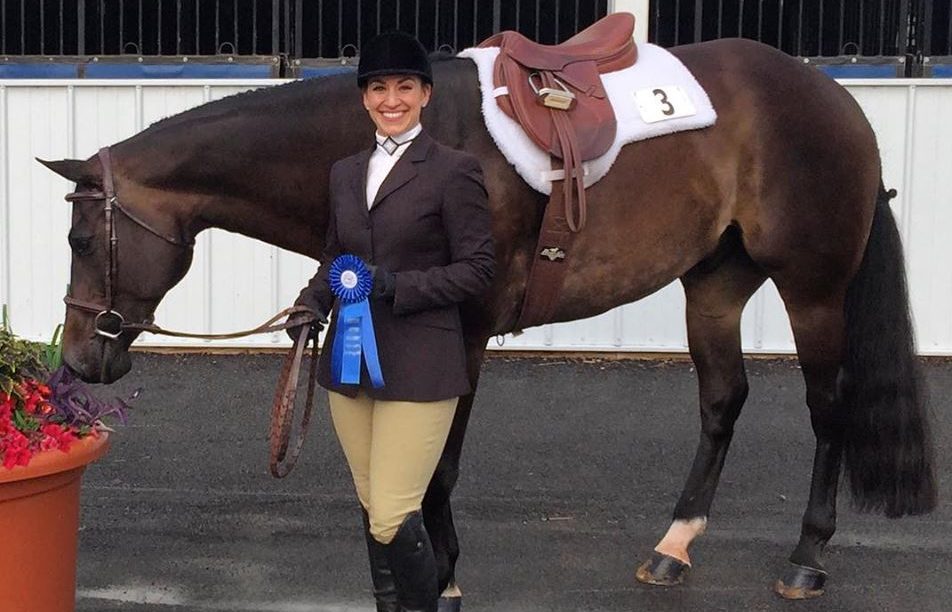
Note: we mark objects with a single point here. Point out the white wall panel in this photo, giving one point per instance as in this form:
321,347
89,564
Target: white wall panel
928,244
103,115
185,307
4,201
37,258
236,282
911,122
241,300
657,321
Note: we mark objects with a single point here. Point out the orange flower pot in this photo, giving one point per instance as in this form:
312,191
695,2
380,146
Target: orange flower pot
39,521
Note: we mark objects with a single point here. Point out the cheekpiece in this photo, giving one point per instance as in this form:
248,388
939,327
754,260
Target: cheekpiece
393,53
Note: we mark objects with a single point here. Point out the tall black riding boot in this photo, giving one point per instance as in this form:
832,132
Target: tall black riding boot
385,592
413,566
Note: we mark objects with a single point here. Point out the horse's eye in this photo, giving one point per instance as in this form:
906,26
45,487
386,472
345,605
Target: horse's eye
81,245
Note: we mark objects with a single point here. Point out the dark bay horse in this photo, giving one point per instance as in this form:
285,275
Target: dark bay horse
786,186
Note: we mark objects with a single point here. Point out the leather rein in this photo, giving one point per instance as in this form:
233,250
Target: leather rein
110,324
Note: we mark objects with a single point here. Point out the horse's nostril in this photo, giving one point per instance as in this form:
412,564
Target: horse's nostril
81,245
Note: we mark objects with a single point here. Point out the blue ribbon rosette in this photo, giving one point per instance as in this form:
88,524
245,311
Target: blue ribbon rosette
351,281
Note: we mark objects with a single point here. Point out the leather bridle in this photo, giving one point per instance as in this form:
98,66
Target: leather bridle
284,454
107,317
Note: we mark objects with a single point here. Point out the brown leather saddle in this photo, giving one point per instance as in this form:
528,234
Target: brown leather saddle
547,82
555,93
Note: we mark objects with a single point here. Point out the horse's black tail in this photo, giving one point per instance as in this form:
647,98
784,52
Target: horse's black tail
888,444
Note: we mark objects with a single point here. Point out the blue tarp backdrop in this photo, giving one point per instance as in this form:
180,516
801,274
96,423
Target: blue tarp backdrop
181,70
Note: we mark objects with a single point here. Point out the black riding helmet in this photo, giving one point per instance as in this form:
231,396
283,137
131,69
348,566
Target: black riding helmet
393,53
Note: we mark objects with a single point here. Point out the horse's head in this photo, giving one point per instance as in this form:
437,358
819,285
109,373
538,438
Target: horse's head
127,252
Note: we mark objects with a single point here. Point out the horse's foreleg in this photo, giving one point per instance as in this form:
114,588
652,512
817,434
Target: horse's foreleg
716,292
819,334
437,511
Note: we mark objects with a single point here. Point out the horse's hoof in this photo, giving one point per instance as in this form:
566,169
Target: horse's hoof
449,604
662,570
801,582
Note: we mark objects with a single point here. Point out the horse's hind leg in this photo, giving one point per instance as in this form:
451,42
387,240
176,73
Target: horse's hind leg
819,331
716,291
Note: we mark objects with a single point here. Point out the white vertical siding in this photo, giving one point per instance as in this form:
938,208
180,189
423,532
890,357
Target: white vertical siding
4,199
928,218
54,120
36,258
638,8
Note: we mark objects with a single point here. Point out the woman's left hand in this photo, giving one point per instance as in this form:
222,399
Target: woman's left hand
384,282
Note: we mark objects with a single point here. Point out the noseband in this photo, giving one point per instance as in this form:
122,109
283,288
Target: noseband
107,318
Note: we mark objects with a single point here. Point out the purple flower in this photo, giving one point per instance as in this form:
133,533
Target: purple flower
76,404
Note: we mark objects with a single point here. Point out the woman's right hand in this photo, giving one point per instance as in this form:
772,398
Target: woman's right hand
315,320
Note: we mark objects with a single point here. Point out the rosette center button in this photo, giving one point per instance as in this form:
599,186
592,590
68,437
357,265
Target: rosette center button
348,278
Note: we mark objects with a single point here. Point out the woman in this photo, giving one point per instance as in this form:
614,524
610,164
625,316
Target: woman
415,212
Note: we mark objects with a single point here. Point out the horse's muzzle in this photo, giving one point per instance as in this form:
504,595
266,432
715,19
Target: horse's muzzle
98,361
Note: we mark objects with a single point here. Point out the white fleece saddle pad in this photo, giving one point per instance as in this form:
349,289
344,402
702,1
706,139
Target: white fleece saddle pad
656,96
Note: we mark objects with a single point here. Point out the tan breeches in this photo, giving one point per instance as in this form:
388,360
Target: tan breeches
392,449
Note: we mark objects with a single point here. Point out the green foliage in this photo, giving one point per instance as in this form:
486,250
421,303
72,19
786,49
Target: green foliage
19,358
53,352
24,422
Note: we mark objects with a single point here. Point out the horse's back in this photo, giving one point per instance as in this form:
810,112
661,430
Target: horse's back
727,66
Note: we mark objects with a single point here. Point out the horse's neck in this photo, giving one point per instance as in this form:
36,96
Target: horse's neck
263,175
285,205
291,213
296,225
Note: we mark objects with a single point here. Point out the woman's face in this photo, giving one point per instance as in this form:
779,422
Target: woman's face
394,102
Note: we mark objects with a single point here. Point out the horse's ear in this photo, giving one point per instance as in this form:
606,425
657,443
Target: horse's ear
79,171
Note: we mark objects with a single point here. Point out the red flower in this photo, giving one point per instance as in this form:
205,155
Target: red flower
15,448
28,407
56,436
30,424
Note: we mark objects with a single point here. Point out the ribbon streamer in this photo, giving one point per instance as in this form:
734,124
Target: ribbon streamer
355,340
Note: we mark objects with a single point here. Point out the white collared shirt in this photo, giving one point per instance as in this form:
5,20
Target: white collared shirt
381,162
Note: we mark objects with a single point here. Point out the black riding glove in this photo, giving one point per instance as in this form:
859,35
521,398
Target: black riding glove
298,319
385,283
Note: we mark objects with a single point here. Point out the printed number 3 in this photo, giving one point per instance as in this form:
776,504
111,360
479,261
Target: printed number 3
668,108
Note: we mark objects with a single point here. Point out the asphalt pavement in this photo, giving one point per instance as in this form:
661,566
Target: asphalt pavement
570,472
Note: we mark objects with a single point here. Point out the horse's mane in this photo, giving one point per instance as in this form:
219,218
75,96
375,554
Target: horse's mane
288,97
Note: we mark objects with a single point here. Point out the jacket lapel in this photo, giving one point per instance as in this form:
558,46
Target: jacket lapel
405,169
359,180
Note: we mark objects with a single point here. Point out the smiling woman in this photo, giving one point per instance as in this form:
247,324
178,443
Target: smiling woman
419,220
395,102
